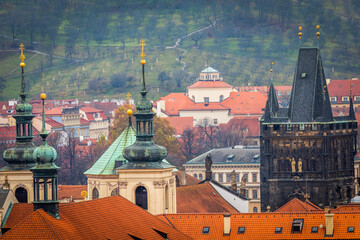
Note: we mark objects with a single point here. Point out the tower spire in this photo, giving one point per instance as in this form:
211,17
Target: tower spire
45,171
144,153
20,156
351,106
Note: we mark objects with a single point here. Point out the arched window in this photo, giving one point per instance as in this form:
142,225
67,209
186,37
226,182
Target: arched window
166,197
141,197
21,195
115,192
195,175
200,177
221,98
193,98
255,209
95,194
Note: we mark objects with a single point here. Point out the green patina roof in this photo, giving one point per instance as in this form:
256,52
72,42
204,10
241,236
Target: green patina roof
105,165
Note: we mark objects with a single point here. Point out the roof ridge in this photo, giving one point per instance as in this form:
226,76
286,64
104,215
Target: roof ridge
41,212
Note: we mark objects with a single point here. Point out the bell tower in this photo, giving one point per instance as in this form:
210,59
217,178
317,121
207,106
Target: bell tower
145,179
20,157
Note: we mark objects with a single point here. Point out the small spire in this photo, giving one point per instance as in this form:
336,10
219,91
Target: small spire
300,34
22,65
43,132
22,56
318,35
351,105
143,62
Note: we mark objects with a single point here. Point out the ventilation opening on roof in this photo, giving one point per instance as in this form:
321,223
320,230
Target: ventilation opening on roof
241,230
278,230
230,158
206,230
135,238
297,225
351,229
162,234
314,229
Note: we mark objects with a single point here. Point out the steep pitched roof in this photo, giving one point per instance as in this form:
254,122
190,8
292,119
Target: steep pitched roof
262,225
106,218
309,97
190,180
243,103
54,111
272,105
297,206
210,84
201,198
105,165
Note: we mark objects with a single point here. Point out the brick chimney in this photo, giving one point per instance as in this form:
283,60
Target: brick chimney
227,224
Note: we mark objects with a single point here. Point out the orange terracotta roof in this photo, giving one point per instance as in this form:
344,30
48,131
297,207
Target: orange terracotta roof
174,102
250,123
105,218
297,206
71,191
180,124
89,111
339,88
19,212
51,122
349,208
201,198
243,103
262,225
84,121
54,111
190,180
210,84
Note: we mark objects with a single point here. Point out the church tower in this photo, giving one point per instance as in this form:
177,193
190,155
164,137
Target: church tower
305,151
45,172
20,157
145,179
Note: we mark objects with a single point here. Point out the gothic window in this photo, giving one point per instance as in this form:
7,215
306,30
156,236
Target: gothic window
141,197
95,194
21,195
115,192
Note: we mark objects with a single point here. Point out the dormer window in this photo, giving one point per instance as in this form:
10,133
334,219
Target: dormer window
206,230
351,229
345,99
241,230
297,225
357,98
333,99
278,230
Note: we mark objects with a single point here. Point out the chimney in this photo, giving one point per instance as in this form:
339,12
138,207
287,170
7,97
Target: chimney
208,172
233,181
227,224
183,178
329,222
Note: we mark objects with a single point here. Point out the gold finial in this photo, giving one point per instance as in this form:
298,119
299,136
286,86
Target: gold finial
300,34
43,95
129,98
318,33
307,196
271,69
143,55
22,56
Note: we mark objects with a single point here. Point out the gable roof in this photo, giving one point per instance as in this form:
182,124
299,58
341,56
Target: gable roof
174,102
105,165
209,70
210,84
54,111
297,206
105,218
201,198
243,103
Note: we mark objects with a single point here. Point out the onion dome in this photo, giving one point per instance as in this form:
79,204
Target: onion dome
144,153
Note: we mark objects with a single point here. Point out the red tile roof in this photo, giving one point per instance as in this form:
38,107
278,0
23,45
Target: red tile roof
203,106
52,122
262,225
89,112
210,84
174,102
297,206
10,132
19,211
243,103
54,111
250,123
180,123
339,88
190,180
106,218
201,198
71,191
83,121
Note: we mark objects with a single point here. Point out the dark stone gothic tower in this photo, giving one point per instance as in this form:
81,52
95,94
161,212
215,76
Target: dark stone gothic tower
305,151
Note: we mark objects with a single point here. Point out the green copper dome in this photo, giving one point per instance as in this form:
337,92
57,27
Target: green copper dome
23,108
45,155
